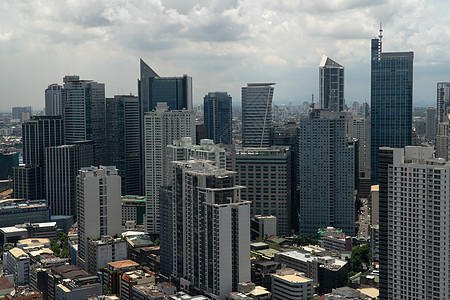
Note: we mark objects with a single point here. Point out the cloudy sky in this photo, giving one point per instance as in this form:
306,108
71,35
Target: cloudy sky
222,44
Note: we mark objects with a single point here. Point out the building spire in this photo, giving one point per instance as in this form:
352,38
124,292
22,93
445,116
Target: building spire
380,37
381,31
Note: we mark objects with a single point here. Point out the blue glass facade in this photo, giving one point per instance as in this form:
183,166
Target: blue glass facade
218,115
7,162
175,91
391,101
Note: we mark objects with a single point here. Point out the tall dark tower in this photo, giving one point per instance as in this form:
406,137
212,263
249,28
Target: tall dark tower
38,133
331,85
218,116
84,114
391,100
122,140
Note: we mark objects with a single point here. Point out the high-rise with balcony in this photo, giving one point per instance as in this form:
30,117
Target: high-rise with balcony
161,128
414,236
205,232
218,116
331,85
84,114
257,114
99,207
391,100
176,92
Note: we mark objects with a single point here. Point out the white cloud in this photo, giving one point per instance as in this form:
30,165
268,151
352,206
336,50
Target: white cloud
222,44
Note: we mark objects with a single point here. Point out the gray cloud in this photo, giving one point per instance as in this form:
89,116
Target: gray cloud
222,44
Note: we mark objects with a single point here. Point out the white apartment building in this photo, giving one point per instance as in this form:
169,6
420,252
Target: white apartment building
205,237
418,206
161,128
99,207
17,262
289,284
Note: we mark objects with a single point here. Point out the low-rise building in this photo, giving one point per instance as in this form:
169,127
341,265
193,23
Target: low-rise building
12,235
19,211
288,284
333,239
6,285
327,272
263,226
33,243
71,282
147,292
346,293
42,230
112,273
17,262
131,278
133,209
105,250
300,262
248,290
73,289
24,294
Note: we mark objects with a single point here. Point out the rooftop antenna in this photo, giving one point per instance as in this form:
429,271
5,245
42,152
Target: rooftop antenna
381,31
380,36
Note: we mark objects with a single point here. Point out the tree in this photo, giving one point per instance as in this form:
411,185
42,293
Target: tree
360,255
304,240
55,247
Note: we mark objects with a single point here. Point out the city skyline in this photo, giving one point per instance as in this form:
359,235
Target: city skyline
222,45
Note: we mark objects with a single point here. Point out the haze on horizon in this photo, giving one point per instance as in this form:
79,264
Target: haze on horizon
221,44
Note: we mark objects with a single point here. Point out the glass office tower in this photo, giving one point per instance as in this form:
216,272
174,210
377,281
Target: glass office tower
391,100
218,116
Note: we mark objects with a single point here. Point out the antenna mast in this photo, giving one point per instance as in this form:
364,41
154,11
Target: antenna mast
380,37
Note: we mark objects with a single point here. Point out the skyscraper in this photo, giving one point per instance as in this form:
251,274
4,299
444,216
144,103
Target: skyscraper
218,116
175,91
288,135
391,100
37,133
122,140
8,160
358,127
160,129
184,149
99,207
331,85
257,114
431,123
61,169
84,113
21,113
327,173
53,100
205,233
443,100
442,139
266,172
416,251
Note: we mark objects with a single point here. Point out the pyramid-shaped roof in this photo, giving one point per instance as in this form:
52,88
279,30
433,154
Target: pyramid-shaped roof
146,71
327,62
